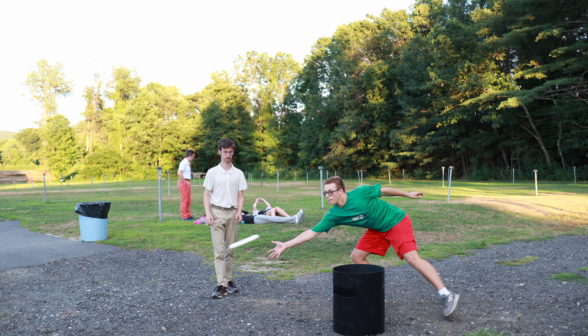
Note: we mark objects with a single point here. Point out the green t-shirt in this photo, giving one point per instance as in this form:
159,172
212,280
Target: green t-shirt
364,208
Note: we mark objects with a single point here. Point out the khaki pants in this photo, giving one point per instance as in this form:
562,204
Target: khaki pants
224,233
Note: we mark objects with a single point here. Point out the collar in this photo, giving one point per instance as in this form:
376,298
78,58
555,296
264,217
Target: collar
224,171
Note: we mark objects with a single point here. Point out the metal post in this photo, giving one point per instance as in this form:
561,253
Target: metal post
443,176
262,179
199,181
536,189
105,183
159,191
361,174
61,182
335,173
358,179
327,174
44,189
404,176
169,184
449,191
513,177
92,177
278,190
574,174
322,188
306,177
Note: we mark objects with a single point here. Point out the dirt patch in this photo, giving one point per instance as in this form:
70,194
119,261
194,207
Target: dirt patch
261,265
560,209
338,235
61,227
427,237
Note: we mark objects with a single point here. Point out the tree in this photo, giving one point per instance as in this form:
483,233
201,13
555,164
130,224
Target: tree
46,83
348,89
124,86
267,81
225,113
93,112
61,151
544,46
30,139
160,124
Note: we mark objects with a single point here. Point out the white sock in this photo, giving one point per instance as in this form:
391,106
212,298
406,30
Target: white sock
444,291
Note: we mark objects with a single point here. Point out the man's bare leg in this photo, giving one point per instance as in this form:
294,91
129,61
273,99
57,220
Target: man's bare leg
359,256
279,212
425,268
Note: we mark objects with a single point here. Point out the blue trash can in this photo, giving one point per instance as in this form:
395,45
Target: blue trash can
93,220
93,229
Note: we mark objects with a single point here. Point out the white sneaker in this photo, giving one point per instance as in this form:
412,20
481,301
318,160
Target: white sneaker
300,216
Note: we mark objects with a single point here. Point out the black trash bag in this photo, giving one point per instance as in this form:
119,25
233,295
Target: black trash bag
93,209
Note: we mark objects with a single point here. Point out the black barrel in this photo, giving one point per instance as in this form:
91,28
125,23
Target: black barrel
358,300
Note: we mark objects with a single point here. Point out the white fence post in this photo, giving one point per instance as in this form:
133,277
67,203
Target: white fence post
449,191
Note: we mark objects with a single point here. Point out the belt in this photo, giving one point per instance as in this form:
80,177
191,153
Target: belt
224,209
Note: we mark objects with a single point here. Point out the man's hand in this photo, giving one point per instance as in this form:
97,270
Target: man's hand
209,220
239,217
415,194
278,250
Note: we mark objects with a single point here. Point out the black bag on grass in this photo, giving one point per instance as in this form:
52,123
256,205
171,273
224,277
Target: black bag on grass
93,209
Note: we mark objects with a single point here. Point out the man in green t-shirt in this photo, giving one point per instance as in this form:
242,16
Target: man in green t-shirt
386,225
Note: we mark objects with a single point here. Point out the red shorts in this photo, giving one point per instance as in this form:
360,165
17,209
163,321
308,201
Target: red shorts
400,236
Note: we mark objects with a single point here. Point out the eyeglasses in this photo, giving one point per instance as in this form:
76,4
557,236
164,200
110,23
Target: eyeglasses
330,192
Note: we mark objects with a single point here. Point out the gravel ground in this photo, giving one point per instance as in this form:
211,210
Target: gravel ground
156,292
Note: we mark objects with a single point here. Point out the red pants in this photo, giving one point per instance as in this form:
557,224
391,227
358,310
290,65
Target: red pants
186,197
400,236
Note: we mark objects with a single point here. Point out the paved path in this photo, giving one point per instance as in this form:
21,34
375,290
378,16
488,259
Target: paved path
20,247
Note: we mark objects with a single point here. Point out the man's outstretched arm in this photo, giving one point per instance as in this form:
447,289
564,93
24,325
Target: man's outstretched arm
396,192
301,238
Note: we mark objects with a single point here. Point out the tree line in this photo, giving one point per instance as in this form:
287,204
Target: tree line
484,86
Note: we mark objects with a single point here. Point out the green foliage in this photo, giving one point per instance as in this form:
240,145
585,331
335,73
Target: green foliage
29,138
348,90
267,80
46,83
60,149
159,121
570,277
517,262
224,111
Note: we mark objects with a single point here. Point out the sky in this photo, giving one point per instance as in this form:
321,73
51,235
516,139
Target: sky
173,42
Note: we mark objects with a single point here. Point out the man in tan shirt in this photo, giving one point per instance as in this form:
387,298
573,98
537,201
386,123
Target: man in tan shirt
223,203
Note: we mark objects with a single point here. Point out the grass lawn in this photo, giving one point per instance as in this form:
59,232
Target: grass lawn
479,214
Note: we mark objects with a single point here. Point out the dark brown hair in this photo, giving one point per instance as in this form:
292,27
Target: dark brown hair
226,143
189,153
337,181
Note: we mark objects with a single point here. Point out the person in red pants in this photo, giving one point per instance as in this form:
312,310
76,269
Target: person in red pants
184,175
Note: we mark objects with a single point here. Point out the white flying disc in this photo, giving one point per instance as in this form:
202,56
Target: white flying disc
243,241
